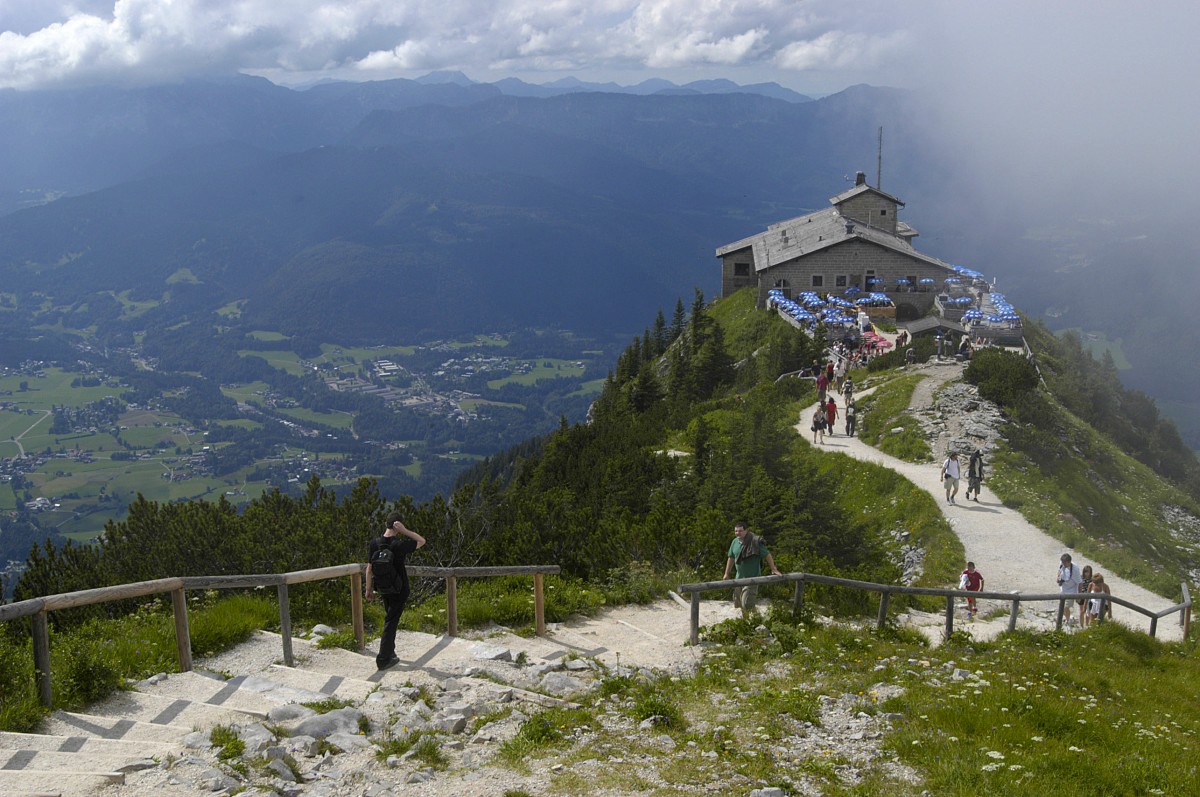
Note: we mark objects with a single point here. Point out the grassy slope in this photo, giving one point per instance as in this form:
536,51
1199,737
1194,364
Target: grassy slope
885,410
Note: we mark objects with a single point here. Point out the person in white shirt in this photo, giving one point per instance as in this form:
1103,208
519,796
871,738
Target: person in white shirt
950,475
1069,576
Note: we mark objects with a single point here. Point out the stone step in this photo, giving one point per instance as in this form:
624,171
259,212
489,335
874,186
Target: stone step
166,710
71,723
61,783
417,670
323,683
33,761
249,693
80,743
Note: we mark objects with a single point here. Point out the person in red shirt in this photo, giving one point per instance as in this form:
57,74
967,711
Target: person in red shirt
831,414
822,387
972,581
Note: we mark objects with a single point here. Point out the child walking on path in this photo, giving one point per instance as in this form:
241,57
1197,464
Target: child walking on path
972,581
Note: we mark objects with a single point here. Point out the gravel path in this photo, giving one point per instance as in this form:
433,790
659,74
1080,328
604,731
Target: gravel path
1012,554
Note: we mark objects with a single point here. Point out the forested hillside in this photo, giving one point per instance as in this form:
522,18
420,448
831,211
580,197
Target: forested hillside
690,433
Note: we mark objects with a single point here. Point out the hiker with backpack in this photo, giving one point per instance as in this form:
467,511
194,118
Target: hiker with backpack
747,553
387,577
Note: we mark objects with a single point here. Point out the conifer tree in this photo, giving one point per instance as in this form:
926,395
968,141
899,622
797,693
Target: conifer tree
678,320
659,335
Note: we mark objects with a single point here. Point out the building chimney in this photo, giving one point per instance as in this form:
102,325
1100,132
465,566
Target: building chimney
860,178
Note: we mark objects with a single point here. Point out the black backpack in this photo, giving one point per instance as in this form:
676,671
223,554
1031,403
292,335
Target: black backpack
384,577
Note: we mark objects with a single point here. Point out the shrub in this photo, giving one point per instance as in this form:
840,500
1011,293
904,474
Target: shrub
339,639
1002,376
20,709
84,671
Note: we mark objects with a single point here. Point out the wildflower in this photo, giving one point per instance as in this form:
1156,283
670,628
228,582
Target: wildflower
994,754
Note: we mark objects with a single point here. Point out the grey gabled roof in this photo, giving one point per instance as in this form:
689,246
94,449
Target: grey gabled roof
787,240
862,189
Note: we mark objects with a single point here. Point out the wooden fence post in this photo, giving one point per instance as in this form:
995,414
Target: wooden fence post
183,634
41,657
452,606
539,604
1062,608
285,625
949,615
1012,615
695,619
356,609
798,598
883,608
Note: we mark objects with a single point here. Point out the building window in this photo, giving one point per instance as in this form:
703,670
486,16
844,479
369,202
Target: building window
818,281
840,280
883,212
741,269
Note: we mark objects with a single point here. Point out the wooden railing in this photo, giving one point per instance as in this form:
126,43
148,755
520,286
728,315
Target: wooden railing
38,609
887,590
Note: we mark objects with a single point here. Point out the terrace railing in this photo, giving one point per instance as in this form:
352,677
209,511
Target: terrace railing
38,609
1184,608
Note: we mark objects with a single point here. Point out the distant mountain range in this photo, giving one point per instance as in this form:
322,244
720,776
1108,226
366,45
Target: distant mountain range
406,208
402,208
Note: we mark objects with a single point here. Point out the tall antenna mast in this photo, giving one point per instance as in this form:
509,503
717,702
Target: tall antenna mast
879,163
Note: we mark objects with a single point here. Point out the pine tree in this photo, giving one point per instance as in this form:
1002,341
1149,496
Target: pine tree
678,321
659,335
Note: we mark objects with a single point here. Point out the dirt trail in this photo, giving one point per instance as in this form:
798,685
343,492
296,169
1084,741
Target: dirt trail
1012,554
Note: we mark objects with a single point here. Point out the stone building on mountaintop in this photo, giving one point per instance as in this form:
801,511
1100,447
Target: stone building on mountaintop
859,242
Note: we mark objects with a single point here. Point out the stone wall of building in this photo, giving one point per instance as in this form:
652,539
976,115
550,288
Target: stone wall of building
847,264
871,208
734,278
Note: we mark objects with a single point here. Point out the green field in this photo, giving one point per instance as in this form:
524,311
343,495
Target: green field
338,420
53,388
332,354
1097,343
263,334
473,404
251,391
278,358
131,308
590,388
556,368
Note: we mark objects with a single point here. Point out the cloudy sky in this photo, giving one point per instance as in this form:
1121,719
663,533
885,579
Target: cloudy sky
1044,84
815,46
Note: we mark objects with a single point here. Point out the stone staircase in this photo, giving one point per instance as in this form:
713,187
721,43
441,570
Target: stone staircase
155,737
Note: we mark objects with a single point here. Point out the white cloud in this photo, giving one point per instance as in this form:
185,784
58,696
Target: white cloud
141,41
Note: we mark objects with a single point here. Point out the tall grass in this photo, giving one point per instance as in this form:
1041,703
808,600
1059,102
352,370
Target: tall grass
91,661
886,410
508,601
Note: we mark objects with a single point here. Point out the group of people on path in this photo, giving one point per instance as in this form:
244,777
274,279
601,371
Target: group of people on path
951,474
826,413
1072,580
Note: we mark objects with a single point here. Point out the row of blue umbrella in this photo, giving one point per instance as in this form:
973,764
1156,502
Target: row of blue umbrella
811,308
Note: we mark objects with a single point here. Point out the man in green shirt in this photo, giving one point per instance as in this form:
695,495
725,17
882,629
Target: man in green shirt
747,553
